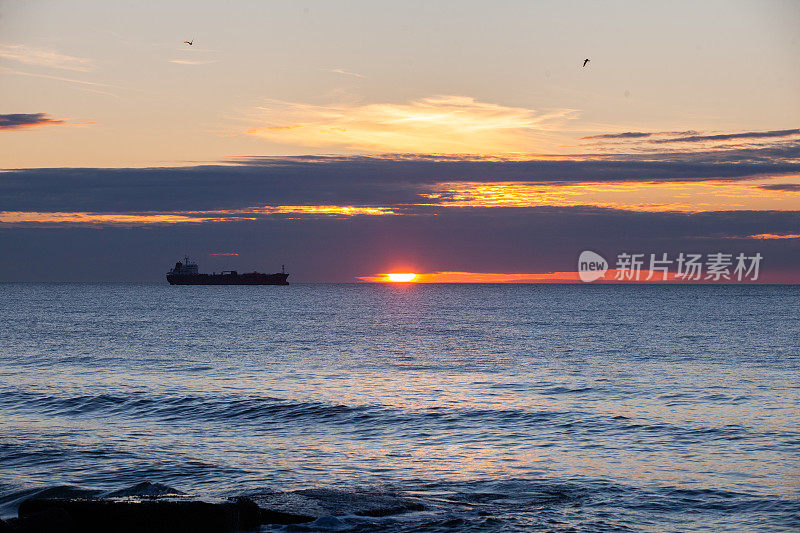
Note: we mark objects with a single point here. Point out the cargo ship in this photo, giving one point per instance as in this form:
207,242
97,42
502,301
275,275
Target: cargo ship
185,273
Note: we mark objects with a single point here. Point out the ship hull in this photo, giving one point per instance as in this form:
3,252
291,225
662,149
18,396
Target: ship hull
252,278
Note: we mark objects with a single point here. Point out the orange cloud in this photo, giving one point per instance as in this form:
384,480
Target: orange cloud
438,124
775,236
185,217
346,210
684,196
27,217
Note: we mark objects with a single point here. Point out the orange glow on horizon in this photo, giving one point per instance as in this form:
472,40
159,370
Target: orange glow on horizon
473,277
566,277
400,277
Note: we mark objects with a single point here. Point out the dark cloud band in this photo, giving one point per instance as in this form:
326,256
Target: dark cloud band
375,181
693,136
732,136
626,135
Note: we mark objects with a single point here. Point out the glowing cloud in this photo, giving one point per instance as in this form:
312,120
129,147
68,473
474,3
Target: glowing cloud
334,210
439,124
89,86
45,57
692,197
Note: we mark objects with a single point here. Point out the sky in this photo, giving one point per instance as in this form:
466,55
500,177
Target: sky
463,141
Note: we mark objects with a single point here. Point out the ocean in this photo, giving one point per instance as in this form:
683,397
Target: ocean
414,407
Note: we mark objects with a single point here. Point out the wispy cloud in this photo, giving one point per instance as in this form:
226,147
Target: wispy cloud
16,121
438,124
45,57
87,85
193,61
346,73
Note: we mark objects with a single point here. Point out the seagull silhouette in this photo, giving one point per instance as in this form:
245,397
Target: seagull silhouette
584,61
190,43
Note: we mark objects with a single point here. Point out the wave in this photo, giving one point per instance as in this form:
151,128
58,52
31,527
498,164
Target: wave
264,412
169,408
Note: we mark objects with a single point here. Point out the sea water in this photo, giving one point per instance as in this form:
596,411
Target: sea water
491,407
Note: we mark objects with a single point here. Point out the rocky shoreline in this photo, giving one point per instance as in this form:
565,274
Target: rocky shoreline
157,508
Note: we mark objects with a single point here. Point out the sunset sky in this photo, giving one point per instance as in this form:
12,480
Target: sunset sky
463,141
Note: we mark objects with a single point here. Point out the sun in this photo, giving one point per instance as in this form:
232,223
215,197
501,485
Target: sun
401,276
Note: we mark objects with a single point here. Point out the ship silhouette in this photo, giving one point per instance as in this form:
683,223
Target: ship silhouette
186,273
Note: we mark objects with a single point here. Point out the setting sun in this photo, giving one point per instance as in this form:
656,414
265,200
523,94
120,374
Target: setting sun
401,277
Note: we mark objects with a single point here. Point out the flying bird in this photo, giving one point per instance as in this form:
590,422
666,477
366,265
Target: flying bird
584,61
190,43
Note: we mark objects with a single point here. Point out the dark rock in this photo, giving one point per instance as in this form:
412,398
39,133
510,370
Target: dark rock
9,502
44,521
249,513
146,489
4,528
150,515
